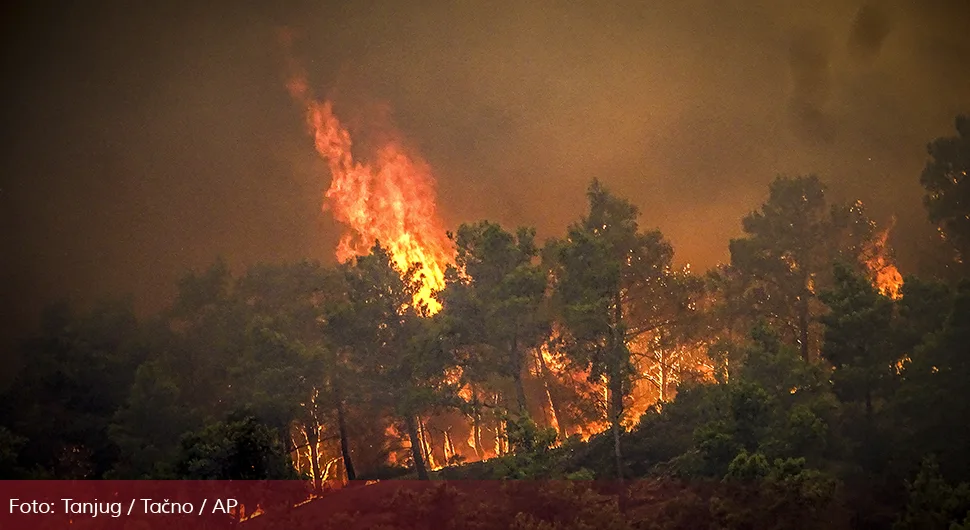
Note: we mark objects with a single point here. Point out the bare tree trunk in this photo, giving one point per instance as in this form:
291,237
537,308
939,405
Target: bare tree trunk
615,384
477,425
500,440
477,430
803,321
515,365
664,369
344,438
616,414
330,465
312,439
296,451
449,449
416,447
427,443
553,405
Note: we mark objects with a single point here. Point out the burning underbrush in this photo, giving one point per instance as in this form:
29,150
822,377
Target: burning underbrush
561,399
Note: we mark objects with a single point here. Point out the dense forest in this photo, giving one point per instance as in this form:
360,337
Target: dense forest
805,384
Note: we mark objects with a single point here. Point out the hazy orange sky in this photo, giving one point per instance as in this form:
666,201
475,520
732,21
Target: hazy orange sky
144,139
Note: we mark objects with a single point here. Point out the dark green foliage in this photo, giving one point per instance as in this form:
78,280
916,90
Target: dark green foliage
934,396
525,436
776,403
663,442
149,426
78,372
398,356
531,445
740,426
10,447
251,343
922,311
780,494
536,458
787,253
945,179
933,503
612,284
494,304
200,291
859,340
237,449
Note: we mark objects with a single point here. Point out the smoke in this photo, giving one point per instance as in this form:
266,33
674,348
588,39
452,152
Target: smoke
811,67
869,30
146,140
820,69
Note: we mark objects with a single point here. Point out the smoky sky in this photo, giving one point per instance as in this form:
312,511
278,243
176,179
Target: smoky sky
144,139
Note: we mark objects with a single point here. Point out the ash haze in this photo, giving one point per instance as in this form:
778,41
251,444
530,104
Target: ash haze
144,139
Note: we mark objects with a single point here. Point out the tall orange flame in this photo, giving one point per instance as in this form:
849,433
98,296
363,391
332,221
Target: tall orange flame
885,275
390,199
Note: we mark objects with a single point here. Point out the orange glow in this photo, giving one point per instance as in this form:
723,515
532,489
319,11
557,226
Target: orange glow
391,432
884,274
390,199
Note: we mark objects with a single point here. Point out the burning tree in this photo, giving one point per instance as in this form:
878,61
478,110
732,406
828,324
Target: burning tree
389,199
383,329
787,254
494,300
606,276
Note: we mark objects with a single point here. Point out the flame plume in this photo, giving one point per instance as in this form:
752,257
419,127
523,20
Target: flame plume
885,276
390,199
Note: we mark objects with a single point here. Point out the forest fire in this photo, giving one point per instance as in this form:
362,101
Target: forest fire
885,275
390,199
549,266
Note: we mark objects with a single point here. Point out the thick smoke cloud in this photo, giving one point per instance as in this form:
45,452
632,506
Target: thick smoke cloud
869,30
145,139
812,78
